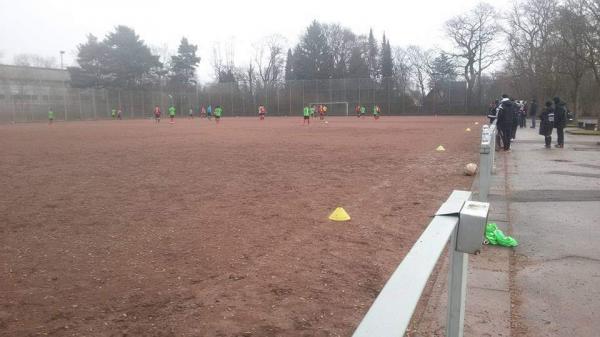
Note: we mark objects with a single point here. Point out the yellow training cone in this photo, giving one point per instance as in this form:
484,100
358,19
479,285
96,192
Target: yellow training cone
339,215
440,148
468,129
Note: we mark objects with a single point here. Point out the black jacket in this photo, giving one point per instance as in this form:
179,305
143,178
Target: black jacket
533,109
547,124
516,113
560,115
505,114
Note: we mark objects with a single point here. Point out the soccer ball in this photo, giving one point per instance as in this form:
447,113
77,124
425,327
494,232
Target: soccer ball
470,169
326,122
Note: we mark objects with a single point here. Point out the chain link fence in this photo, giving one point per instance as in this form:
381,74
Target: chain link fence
31,102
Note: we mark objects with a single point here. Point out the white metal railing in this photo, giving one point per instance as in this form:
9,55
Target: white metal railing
392,310
487,152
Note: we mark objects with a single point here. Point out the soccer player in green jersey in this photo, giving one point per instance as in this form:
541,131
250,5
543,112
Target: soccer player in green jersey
113,113
376,111
172,114
218,111
306,113
50,116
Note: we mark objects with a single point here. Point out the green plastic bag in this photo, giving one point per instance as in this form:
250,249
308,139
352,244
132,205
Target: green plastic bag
494,236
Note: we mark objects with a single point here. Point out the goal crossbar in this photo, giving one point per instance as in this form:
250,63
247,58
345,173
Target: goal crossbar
330,103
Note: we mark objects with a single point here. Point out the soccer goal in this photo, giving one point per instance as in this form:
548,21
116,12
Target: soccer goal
334,108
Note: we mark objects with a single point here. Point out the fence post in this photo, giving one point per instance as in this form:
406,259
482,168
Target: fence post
80,105
14,108
107,103
277,93
390,84
330,91
243,94
457,288
231,96
302,93
65,102
94,102
359,103
131,104
486,160
119,96
345,94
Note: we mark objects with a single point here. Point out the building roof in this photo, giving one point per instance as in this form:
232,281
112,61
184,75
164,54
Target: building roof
10,73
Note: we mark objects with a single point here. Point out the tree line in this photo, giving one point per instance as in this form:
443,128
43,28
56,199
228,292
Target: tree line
536,49
123,60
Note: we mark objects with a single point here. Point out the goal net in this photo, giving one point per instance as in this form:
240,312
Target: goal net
333,108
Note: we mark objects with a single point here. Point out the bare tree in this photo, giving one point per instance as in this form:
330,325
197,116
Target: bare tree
269,59
570,48
164,53
341,40
473,34
591,12
33,60
419,61
164,56
223,62
402,72
529,36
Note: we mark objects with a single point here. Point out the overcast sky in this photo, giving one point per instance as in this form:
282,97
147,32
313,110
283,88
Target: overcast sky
46,27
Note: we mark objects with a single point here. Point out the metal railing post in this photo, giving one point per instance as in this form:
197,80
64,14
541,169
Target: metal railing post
457,289
391,312
486,160
494,132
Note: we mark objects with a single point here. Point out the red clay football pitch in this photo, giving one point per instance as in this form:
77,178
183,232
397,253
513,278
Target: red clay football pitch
128,228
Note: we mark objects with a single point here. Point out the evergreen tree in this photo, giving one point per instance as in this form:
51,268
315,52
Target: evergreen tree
122,59
183,65
387,64
311,56
289,70
91,57
128,59
443,70
372,59
357,66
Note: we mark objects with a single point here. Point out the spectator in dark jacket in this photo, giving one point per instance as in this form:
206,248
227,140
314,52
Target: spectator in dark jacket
533,112
515,122
547,123
505,118
560,121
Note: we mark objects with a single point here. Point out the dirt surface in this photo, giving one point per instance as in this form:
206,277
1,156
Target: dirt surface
127,228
